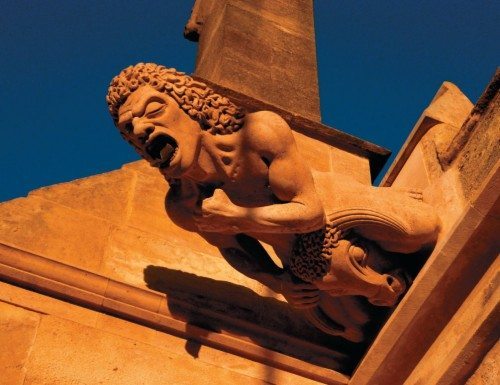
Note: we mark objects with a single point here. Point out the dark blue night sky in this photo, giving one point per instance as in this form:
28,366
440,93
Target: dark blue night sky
380,63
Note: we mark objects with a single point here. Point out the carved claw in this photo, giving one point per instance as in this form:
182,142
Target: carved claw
299,294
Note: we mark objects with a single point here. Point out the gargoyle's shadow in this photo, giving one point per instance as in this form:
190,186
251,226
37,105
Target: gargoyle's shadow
208,304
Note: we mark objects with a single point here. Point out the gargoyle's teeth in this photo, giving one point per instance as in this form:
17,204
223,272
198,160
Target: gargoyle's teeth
161,150
167,151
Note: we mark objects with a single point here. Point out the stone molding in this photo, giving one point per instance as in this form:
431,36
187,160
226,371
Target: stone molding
103,294
473,329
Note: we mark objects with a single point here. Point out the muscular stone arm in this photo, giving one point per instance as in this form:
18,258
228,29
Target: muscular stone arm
247,255
255,264
241,251
297,208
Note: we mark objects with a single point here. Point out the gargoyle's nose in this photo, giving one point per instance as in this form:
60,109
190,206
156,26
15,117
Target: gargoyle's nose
390,289
142,131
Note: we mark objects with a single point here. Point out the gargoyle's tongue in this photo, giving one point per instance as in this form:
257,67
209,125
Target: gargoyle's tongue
161,150
167,152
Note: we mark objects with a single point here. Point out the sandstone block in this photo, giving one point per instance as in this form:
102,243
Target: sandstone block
18,328
481,153
347,163
68,353
141,166
132,251
315,153
488,372
263,51
147,213
105,195
54,231
414,172
126,329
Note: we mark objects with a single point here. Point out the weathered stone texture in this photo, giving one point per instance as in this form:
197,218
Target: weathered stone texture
18,329
133,241
264,49
347,163
488,372
414,173
323,157
452,324
462,343
80,346
104,195
131,251
317,153
47,305
115,225
482,151
416,164
148,196
54,231
353,155
102,357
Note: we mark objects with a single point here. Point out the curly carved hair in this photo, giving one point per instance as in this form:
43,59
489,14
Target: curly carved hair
215,113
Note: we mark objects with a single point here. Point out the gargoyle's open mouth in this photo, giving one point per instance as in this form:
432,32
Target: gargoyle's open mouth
162,149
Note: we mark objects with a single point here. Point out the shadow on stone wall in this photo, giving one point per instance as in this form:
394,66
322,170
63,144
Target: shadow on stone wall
222,306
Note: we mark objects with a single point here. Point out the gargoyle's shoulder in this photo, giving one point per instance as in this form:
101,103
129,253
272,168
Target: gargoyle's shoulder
267,122
269,117
267,130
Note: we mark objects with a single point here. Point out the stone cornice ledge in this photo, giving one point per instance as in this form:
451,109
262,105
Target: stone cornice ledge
116,298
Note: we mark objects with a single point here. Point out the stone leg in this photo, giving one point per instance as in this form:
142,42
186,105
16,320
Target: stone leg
398,221
395,220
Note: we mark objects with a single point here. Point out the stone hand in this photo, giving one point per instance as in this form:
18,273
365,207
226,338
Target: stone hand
300,295
218,214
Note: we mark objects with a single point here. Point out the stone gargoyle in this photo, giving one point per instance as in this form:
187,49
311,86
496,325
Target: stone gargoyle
238,180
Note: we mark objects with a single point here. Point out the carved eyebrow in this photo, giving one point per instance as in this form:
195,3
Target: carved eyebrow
124,117
140,108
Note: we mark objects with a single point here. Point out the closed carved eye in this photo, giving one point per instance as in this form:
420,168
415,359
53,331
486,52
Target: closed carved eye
154,109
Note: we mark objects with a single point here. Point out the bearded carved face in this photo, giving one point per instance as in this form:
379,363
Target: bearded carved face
161,132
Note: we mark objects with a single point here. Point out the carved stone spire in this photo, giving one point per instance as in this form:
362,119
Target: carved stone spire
264,49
